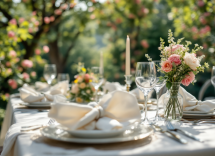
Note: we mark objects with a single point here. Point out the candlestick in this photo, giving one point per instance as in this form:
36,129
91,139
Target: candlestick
101,63
127,59
128,82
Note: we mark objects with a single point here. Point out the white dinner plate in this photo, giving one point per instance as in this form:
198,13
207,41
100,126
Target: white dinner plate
37,104
92,133
128,135
199,115
195,112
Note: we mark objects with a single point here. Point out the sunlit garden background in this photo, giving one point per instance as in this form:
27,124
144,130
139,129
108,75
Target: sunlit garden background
65,32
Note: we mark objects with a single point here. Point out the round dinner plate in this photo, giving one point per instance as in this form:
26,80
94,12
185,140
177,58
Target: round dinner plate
37,104
92,133
199,114
128,135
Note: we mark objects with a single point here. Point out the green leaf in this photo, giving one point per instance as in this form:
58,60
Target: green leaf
168,84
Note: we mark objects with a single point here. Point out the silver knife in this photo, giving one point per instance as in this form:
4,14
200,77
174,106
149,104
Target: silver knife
175,136
188,134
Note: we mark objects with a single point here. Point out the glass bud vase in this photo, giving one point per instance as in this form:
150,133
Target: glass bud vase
173,103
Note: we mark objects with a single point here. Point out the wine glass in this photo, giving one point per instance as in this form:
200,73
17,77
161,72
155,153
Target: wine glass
50,72
145,80
213,76
63,77
159,84
97,79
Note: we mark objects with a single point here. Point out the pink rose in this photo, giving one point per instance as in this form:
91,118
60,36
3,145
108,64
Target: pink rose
144,43
9,71
30,30
27,63
33,73
12,53
8,64
166,66
37,23
174,48
46,20
52,18
25,76
200,3
7,95
12,83
21,19
175,58
194,29
37,51
58,12
34,13
11,34
13,22
188,79
46,49
138,1
92,16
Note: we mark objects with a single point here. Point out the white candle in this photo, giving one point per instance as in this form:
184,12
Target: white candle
127,58
101,63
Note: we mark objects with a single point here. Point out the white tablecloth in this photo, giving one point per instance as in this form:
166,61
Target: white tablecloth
157,144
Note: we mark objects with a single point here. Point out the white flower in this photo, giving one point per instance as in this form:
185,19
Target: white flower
75,89
191,60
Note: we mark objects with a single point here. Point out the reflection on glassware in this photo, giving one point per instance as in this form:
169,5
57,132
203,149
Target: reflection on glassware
63,77
145,80
160,83
50,72
213,76
97,79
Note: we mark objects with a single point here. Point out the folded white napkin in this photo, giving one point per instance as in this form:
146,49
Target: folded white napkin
41,86
115,110
112,86
191,103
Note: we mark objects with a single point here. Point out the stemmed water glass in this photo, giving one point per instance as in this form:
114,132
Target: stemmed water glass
145,80
159,84
50,72
63,77
213,76
97,79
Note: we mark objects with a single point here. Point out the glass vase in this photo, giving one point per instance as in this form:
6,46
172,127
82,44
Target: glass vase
173,103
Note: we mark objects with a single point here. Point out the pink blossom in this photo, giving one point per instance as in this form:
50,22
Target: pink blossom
8,64
46,49
145,44
12,53
37,51
131,16
30,30
27,63
137,1
200,3
92,16
13,21
174,48
46,20
202,20
37,23
188,79
25,76
52,18
194,29
34,13
166,66
21,19
64,6
9,71
58,12
33,73
12,83
207,14
175,58
33,19
11,34
7,95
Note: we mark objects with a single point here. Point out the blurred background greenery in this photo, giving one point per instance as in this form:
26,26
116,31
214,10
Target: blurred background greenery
65,32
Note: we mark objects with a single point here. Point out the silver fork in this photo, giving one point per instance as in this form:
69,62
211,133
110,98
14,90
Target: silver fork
35,127
172,128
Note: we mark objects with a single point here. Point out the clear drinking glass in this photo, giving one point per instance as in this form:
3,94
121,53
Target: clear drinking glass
159,84
213,76
97,79
145,80
63,77
50,72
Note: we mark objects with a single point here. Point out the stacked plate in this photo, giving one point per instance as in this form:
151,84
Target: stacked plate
197,114
37,104
96,136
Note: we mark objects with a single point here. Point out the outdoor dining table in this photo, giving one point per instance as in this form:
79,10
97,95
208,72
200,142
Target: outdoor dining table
33,144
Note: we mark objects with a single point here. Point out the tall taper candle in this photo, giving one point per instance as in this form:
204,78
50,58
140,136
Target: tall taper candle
127,59
101,63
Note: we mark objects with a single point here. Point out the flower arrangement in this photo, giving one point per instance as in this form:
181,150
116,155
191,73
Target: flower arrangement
82,90
179,65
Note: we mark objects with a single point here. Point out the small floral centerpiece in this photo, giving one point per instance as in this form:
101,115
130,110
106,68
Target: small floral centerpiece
82,91
179,65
